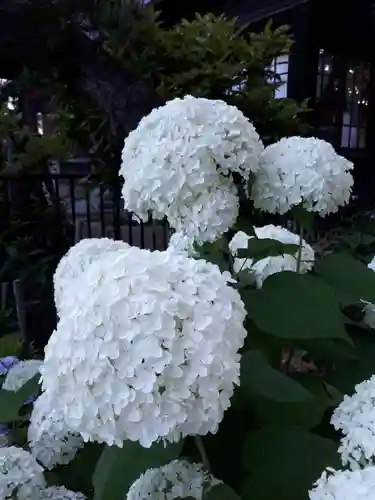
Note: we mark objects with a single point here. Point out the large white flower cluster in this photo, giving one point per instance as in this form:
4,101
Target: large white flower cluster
178,479
57,493
345,485
179,163
148,350
263,268
20,475
305,172
369,308
20,373
50,442
355,417
75,262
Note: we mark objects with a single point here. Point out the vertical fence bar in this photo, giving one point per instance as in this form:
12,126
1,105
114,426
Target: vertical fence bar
130,228
88,210
165,233
142,235
154,244
116,196
101,210
73,205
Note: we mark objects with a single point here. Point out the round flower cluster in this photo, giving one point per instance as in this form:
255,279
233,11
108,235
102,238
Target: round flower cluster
20,474
263,268
355,417
148,350
179,163
57,493
305,172
178,479
74,263
20,373
345,485
369,308
50,442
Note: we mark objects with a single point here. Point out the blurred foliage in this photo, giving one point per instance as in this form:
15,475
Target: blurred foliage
212,57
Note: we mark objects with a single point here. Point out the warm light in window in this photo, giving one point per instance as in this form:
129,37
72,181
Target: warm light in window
39,121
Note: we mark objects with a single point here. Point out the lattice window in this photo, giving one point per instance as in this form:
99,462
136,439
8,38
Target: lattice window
355,114
280,65
342,100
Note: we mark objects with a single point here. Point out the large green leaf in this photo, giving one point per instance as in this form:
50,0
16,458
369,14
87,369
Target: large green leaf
258,377
284,461
297,306
260,248
349,277
11,402
348,373
77,475
221,492
307,414
118,468
216,253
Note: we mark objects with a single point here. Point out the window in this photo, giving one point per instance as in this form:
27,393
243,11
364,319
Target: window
325,66
354,119
342,100
280,66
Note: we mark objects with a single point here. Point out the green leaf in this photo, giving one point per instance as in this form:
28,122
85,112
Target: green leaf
11,402
258,249
349,373
306,414
77,475
284,461
351,279
297,306
221,492
214,253
258,377
118,468
304,218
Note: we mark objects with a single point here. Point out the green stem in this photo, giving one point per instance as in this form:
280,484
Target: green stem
199,444
299,256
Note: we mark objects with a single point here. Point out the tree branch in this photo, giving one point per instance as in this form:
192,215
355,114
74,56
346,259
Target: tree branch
32,37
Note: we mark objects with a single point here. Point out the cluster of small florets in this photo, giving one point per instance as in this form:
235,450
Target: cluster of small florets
149,349
180,160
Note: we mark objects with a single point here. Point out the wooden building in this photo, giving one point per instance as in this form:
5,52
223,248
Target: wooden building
332,63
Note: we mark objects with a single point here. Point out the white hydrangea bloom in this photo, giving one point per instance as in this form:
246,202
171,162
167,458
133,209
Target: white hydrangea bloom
369,308
302,171
74,263
181,243
149,350
57,493
178,479
21,373
263,268
355,417
345,485
179,163
50,442
20,474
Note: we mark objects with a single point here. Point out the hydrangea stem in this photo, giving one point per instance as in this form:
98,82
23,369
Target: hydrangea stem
299,255
199,443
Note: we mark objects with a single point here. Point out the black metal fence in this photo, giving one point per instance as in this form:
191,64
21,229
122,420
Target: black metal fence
90,209
82,207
